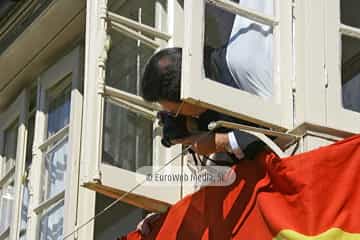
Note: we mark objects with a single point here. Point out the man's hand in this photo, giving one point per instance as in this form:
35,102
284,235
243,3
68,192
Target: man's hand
205,143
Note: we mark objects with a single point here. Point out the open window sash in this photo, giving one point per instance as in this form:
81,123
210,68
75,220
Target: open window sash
16,113
98,175
198,89
337,116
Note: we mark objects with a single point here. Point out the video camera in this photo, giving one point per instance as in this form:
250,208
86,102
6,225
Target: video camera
183,126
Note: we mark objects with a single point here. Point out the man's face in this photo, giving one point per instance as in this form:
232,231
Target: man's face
182,108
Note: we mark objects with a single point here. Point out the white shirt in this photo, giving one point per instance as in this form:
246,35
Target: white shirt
250,51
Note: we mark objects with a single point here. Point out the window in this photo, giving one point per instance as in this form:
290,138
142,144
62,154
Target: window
55,160
125,133
8,171
128,134
343,65
12,146
239,45
52,178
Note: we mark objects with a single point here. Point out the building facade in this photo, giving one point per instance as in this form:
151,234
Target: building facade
74,128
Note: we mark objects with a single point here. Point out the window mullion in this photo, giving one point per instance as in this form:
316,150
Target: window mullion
244,12
116,93
5,234
115,18
56,137
49,202
7,176
150,115
134,35
350,31
56,145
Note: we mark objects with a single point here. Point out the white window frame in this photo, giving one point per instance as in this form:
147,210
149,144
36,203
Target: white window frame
195,88
102,177
336,115
309,61
68,65
17,111
24,172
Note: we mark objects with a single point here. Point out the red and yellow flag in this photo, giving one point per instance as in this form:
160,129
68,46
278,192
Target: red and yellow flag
313,195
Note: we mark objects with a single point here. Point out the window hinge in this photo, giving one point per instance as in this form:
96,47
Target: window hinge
326,78
293,99
293,4
76,234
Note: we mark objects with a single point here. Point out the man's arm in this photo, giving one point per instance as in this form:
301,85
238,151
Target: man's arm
234,142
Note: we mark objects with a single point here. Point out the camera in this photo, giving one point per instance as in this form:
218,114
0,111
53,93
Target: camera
176,127
184,126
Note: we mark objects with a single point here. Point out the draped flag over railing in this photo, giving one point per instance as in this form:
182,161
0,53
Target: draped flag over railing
312,195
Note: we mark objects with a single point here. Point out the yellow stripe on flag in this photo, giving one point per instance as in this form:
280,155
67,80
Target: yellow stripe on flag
331,234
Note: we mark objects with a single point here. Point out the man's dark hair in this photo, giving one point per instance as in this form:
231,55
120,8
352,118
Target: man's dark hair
162,76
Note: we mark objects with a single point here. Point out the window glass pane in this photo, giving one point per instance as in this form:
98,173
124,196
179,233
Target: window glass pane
127,58
351,73
58,111
122,219
6,203
24,212
350,12
55,169
51,223
10,147
238,52
135,10
127,138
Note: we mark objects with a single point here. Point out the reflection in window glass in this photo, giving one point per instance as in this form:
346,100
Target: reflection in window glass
127,58
351,73
24,212
127,138
350,13
59,111
55,169
119,221
10,148
51,223
239,52
6,203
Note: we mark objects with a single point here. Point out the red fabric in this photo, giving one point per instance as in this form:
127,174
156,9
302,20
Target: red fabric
308,193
